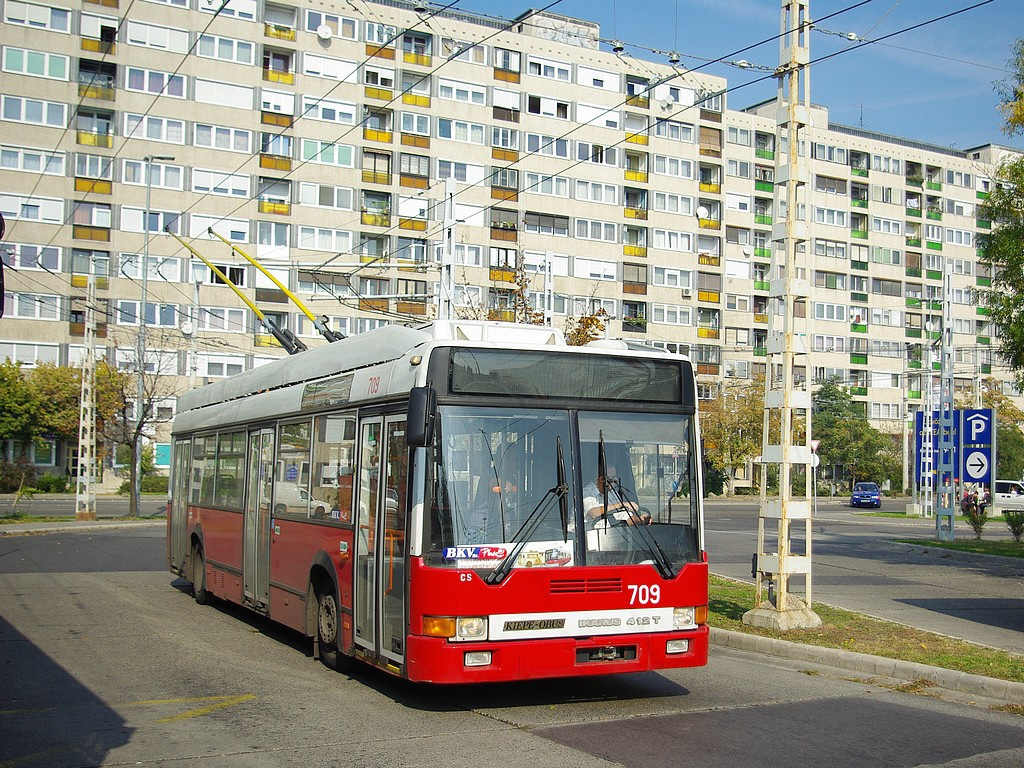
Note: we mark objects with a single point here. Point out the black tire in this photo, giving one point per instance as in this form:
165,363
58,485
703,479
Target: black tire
199,576
327,625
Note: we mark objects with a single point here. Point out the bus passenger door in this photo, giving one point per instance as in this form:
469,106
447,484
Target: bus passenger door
256,542
367,538
381,541
178,532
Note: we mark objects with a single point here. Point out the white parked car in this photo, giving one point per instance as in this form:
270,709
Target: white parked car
1008,494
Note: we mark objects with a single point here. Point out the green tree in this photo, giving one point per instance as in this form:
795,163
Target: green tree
20,407
1002,247
731,426
847,439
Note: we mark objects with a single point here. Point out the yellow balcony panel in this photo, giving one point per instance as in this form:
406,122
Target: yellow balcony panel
264,340
504,315
506,76
511,195
707,186
82,232
415,100
709,260
505,155
415,140
373,305
638,251
280,209
372,134
94,186
376,177
382,94
503,275
637,138
276,162
90,139
372,219
274,76
416,182
99,46
506,235
273,118
712,297
78,329
278,32
412,307
710,223
710,150
105,3
638,101
96,92
416,225
640,176
410,265
635,213
419,59
380,51
81,281
707,333
760,317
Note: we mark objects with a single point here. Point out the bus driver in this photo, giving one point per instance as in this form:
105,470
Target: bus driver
619,507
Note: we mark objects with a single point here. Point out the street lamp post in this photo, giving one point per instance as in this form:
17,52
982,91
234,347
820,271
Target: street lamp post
141,351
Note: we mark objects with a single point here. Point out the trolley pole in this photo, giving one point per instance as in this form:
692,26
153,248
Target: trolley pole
445,299
784,401
85,487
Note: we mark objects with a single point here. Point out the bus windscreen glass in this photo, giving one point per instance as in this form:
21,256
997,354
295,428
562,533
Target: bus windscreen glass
518,373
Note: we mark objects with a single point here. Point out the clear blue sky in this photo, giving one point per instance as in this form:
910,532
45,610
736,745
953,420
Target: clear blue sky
933,84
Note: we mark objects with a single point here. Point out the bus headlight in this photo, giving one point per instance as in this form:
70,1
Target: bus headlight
689,617
472,628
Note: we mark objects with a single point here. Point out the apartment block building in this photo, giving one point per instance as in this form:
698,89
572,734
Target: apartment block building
345,144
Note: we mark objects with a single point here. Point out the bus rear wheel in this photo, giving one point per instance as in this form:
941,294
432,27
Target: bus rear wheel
199,576
327,617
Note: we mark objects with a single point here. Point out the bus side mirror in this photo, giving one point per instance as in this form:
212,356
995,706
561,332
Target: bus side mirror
422,412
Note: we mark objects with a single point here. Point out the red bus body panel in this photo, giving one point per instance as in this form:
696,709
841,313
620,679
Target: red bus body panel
448,592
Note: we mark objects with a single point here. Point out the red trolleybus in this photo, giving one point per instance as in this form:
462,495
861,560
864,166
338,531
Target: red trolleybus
425,500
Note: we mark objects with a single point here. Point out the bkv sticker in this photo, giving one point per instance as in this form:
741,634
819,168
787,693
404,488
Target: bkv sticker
475,553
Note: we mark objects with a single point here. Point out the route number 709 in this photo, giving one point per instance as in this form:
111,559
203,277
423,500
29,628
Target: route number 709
644,594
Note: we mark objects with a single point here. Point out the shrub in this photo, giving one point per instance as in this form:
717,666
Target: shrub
16,474
977,518
48,483
1015,522
150,484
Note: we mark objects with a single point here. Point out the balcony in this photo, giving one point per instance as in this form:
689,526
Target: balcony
763,218
858,296
859,391
858,327
91,139
913,271
761,317
631,212
933,245
505,233
274,118
275,207
709,223
416,100
419,59
915,212
375,134
709,260
82,281
710,297
105,47
502,274
859,234
504,155
415,182
858,358
861,265
762,285
935,186
276,162
506,75
376,177
105,3
762,253
412,307
415,140
858,202
934,215
913,333
640,176
637,138
83,232
764,186
634,324
376,218
277,76
503,315
913,242
860,172
278,32
381,94
414,225
764,154
637,251
710,186
500,193
380,51
93,186
78,329
643,102
707,332
374,305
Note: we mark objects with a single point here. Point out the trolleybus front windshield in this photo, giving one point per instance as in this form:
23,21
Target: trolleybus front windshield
493,483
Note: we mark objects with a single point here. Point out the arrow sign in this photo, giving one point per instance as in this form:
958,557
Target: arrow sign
976,465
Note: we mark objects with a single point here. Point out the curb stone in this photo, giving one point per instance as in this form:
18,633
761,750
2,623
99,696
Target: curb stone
961,682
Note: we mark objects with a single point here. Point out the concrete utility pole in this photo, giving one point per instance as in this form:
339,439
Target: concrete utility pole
783,399
446,285
85,487
945,507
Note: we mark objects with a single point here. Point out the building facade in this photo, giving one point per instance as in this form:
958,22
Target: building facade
348,146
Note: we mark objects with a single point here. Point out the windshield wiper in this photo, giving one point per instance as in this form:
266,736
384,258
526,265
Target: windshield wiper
525,533
661,560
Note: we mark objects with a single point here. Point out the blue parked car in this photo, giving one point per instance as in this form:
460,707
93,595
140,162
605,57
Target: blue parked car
866,495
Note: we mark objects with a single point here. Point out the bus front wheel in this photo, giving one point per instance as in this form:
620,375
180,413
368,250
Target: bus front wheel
327,617
199,576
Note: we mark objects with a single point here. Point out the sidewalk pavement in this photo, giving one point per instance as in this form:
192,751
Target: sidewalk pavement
875,666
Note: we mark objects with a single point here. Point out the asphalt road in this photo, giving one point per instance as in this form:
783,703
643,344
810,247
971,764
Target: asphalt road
107,661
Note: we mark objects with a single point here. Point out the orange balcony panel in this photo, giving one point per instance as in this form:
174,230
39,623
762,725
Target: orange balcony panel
638,101
373,305
416,182
505,155
707,333
380,51
506,76
412,307
276,162
96,92
416,225
415,140
507,235
97,186
78,329
82,232
713,297
106,3
707,369
500,275
635,288
99,46
273,118
497,193
372,134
